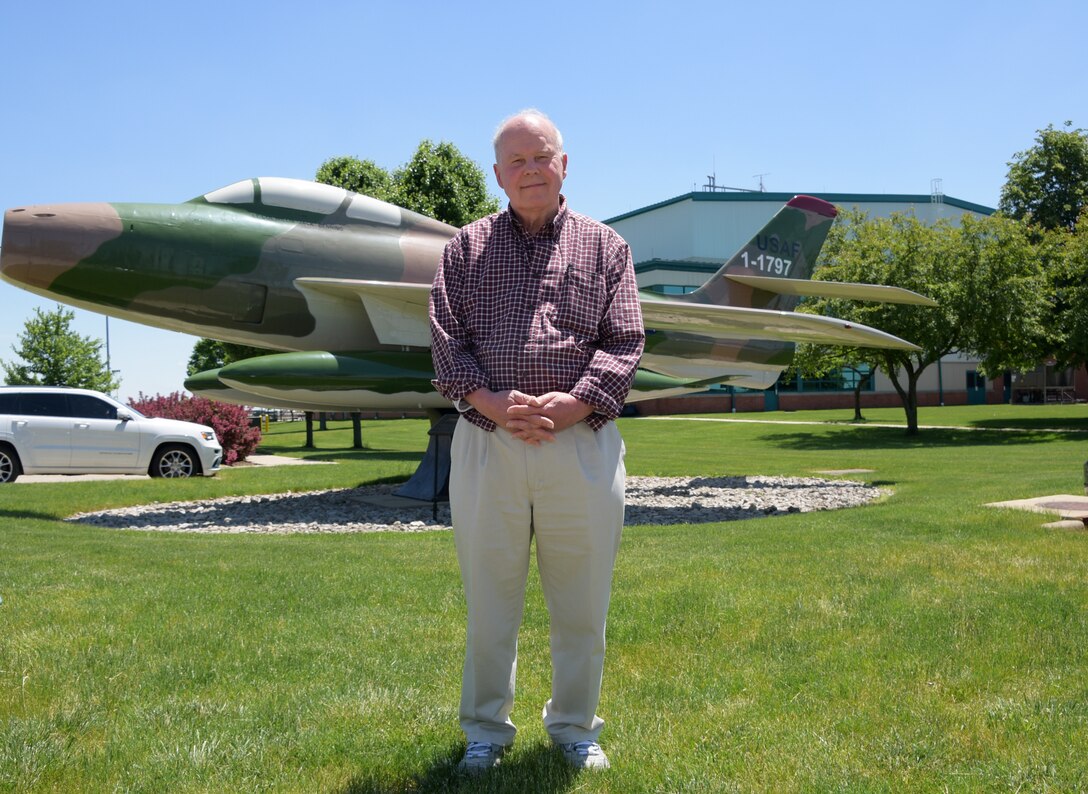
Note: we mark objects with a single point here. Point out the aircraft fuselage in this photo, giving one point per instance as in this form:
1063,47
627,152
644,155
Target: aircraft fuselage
224,269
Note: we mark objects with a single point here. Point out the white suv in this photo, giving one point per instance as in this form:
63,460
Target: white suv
49,430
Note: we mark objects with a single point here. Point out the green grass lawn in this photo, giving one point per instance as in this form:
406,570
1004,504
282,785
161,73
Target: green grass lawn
923,643
1034,417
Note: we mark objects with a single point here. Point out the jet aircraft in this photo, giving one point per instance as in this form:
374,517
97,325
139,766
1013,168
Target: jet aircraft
339,282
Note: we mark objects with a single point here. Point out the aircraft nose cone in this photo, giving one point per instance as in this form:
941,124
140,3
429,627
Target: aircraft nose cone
43,242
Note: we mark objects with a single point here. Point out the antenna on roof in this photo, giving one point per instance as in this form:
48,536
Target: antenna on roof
760,177
711,186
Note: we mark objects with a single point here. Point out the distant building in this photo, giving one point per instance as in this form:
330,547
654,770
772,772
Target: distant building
677,244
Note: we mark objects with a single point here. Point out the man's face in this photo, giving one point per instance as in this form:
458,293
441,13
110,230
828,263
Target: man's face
530,168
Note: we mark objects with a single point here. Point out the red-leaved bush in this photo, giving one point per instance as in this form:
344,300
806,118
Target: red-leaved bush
230,422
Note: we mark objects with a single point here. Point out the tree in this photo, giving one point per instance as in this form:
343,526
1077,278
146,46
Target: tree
212,354
1048,183
55,355
984,274
358,176
442,183
438,181
1068,274
818,361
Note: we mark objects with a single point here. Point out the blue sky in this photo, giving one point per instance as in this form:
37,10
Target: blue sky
160,102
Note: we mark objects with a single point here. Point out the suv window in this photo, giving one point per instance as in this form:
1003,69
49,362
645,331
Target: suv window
88,407
9,403
44,404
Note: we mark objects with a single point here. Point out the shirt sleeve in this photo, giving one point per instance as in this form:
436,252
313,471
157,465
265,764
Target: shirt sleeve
457,372
607,378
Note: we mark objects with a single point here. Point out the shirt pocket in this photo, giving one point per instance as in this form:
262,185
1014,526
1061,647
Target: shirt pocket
581,303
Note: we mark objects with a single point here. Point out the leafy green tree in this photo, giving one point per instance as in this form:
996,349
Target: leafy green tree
1048,183
358,176
1068,273
212,354
442,183
438,181
55,355
984,274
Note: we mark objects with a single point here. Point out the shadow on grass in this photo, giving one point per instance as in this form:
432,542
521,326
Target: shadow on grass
361,454
339,454
539,769
894,438
1065,424
28,514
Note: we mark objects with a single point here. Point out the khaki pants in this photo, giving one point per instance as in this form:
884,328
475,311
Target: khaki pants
569,495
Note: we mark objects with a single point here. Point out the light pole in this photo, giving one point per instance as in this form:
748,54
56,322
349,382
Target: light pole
109,369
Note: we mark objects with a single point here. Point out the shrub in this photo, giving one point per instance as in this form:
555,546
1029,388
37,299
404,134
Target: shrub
230,422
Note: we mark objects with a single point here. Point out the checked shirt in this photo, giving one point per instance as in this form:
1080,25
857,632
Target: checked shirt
556,311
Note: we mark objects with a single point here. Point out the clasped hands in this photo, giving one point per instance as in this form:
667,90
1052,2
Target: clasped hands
533,420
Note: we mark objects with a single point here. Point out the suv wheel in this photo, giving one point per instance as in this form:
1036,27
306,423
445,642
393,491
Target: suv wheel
9,464
174,460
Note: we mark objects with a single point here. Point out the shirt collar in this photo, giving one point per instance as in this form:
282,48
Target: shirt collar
552,228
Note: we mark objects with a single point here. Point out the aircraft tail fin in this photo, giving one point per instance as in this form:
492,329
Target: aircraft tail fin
785,249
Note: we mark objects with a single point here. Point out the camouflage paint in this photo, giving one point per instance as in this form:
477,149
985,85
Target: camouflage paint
299,266
223,270
787,247
361,381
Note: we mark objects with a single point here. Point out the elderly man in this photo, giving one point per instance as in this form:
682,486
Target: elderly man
536,333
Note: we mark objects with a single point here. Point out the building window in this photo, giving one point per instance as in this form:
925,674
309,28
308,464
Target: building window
845,379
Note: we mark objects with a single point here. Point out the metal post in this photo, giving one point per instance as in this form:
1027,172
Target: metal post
940,382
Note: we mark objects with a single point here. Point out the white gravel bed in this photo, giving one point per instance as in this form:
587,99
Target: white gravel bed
373,508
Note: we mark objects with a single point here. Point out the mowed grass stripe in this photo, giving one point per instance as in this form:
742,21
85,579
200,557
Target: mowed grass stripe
921,643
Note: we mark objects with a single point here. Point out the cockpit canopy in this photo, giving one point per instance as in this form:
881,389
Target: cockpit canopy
299,194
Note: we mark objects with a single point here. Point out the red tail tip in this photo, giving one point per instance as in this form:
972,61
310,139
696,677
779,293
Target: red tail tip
813,204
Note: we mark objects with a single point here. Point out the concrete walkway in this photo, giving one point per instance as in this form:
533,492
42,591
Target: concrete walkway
1071,509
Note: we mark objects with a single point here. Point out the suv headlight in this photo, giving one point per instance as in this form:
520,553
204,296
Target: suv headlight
207,435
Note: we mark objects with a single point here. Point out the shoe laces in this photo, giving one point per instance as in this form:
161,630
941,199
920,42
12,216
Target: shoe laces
585,748
478,750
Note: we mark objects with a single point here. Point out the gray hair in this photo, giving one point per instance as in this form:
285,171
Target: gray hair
528,113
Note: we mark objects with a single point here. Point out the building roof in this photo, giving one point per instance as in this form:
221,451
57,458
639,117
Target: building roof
693,265
845,199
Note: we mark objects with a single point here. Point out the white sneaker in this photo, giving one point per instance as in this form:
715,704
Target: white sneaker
585,755
480,757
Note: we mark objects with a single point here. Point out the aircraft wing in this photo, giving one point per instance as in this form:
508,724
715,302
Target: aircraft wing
398,311
832,289
298,266
735,322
